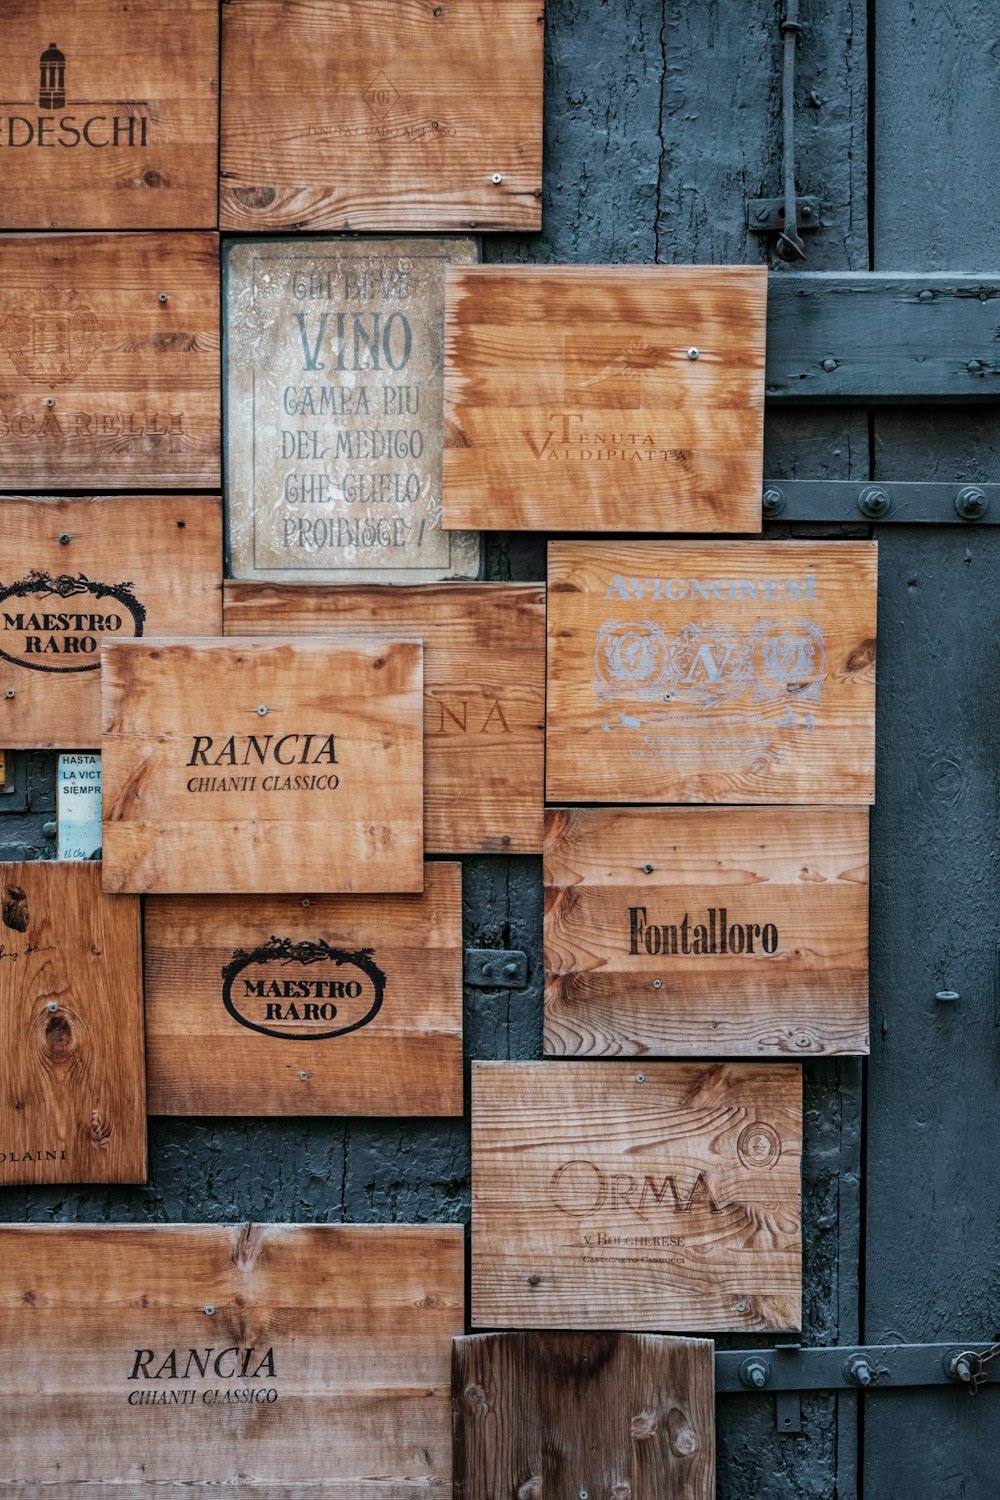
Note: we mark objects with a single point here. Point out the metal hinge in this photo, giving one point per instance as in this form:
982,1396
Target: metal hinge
836,500
788,1369
496,968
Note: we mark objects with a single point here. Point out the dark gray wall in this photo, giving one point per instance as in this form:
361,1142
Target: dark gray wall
662,120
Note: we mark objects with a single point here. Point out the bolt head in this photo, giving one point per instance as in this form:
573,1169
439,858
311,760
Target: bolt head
829,365
971,503
873,502
926,296
974,366
773,501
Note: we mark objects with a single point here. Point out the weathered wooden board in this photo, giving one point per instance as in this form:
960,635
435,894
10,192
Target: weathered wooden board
663,1199
604,398
484,692
306,1005
706,932
275,1359
78,806
72,1089
733,672
111,125
419,117
74,572
334,411
263,766
109,361
611,1414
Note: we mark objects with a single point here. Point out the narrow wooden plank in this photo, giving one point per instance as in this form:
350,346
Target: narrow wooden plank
604,398
421,117
113,124
75,572
311,1005
256,1356
109,361
263,765
858,336
614,1414
726,672
334,411
72,1087
484,692
664,1199
706,932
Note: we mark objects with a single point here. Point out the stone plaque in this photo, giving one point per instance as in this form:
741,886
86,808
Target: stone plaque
276,1360
262,766
76,572
78,806
706,932
109,114
718,672
667,1199
72,1086
604,398
334,411
306,1005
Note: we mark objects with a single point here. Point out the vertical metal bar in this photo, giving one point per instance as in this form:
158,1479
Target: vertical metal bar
790,245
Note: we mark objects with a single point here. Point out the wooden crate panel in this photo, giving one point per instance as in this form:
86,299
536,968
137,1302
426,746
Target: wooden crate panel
419,116
334,420
275,1359
72,1088
706,932
113,124
263,766
75,572
573,401
727,672
109,361
306,1005
622,1413
484,693
666,1199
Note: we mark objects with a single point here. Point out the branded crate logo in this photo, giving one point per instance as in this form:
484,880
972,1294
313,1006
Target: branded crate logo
97,124
303,991
64,636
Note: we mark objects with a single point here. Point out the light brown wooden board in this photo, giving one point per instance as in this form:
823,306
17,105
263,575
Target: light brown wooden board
103,385
248,1013
72,1087
85,569
402,122
484,692
611,1414
571,402
666,1198
356,1323
706,932
205,794
725,672
334,396
129,142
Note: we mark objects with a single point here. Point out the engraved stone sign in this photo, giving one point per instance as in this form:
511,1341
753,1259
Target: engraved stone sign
334,411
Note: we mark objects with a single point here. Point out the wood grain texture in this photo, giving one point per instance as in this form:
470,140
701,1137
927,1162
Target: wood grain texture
109,361
612,1414
334,399
667,1199
204,794
401,125
72,1088
573,402
733,672
706,932
130,143
162,556
317,1054
484,692
354,1399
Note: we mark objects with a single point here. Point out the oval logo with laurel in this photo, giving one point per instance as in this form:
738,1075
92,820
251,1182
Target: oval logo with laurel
56,624
303,991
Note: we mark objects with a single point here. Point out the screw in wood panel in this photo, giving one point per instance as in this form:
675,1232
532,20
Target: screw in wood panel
694,353
65,539
262,709
640,1078
50,401
53,1005
10,693
648,869
164,297
209,1311
303,1077
496,178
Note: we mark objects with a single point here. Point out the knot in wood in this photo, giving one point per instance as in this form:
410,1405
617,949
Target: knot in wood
683,1439
531,1489
475,1397
643,1425
622,1491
